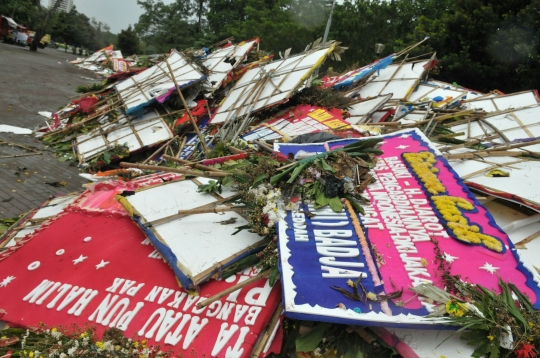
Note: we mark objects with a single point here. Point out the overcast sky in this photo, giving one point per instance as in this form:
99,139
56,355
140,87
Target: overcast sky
118,14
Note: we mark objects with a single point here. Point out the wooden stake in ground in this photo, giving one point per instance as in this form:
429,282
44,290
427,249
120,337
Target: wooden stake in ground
232,289
201,138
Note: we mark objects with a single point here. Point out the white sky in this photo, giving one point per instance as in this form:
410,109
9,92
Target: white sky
118,14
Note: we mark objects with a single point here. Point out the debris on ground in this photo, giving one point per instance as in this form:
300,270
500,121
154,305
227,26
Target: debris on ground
244,205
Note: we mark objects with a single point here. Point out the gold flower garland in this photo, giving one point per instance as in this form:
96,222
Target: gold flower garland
449,206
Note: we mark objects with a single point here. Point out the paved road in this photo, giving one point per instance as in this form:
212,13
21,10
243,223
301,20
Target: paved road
32,82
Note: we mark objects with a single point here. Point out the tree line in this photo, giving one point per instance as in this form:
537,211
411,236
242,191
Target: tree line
73,28
480,44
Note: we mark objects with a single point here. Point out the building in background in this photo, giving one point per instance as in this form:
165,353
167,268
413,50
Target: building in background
65,5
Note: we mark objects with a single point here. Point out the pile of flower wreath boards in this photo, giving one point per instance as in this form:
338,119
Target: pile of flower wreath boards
264,220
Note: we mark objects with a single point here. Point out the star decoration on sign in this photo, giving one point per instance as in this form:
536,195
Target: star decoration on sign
79,260
6,281
402,146
102,264
450,258
404,136
489,268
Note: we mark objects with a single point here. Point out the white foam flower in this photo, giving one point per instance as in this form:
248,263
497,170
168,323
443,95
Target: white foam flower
109,346
71,351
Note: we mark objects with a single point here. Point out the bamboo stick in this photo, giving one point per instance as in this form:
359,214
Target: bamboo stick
194,165
204,174
214,210
236,150
201,138
268,332
2,142
264,146
20,155
160,149
528,239
232,289
181,147
514,145
483,154
176,216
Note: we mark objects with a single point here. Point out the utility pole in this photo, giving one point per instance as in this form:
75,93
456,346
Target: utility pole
327,30
325,37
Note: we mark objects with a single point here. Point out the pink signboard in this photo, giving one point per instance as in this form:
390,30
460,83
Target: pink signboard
98,267
420,216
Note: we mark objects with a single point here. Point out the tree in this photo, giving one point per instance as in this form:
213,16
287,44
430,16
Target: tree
44,15
24,11
175,25
486,45
128,41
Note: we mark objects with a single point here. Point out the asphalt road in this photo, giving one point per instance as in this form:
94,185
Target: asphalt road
31,82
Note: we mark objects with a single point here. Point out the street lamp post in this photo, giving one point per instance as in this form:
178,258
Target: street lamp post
327,30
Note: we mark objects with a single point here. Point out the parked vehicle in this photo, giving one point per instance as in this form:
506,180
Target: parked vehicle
45,40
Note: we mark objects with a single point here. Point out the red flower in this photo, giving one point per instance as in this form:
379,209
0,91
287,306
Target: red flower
525,351
264,219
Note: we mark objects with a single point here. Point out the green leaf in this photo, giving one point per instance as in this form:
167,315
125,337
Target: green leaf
258,179
273,275
276,178
353,351
523,300
321,200
327,167
309,341
107,157
296,172
240,228
355,204
227,182
336,204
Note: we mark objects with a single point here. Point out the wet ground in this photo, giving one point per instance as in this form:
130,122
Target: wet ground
31,82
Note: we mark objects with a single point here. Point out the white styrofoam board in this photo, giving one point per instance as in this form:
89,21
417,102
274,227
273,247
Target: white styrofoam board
503,103
150,131
165,200
219,69
55,206
267,85
200,241
361,111
504,122
141,89
426,92
397,79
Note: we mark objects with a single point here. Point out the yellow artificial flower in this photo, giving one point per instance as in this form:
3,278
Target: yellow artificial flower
100,345
490,337
371,296
455,308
